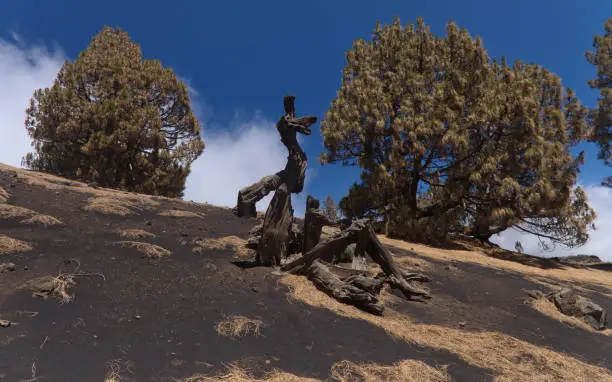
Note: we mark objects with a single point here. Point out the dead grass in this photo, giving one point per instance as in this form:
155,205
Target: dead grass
51,286
343,371
403,371
511,359
135,233
233,243
180,214
115,369
9,211
237,374
150,250
4,196
548,308
111,206
238,326
590,276
10,245
45,220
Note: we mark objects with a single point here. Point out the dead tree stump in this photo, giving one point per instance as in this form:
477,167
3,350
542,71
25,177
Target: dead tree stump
274,244
314,220
357,290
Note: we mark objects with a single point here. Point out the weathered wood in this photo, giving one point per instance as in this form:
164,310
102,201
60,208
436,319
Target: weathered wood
346,292
274,244
382,257
249,196
362,233
331,245
295,171
314,220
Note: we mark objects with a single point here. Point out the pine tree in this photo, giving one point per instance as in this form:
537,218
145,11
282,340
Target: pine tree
115,118
449,139
602,115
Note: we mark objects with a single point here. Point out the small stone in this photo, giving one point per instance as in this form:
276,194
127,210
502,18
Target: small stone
254,289
5,323
148,222
95,337
138,317
211,267
25,268
462,324
184,234
7,267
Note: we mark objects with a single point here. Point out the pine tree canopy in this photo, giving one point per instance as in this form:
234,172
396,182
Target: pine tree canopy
602,115
115,118
443,132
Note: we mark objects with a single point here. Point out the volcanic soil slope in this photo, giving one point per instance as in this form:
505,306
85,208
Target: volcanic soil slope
101,285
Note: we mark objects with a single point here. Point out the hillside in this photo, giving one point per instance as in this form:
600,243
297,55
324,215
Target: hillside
101,285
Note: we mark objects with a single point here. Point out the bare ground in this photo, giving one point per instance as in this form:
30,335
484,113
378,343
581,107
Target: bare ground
157,319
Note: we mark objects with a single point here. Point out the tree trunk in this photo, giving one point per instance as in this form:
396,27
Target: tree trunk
274,244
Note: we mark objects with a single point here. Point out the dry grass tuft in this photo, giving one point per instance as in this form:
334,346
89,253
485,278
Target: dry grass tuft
403,371
565,275
548,308
180,214
9,211
50,286
233,243
10,245
111,206
150,250
238,326
45,220
115,368
135,233
4,196
511,359
237,374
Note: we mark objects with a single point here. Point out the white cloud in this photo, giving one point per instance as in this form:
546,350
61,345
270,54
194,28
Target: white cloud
22,70
600,240
238,157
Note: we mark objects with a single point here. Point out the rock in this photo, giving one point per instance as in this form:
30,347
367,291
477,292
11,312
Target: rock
536,294
578,260
5,323
211,267
572,304
148,222
7,267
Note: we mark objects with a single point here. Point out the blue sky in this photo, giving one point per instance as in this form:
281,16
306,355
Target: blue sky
241,57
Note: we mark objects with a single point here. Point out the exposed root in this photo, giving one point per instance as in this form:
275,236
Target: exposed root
135,233
238,326
49,286
10,245
150,250
44,220
403,371
180,214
